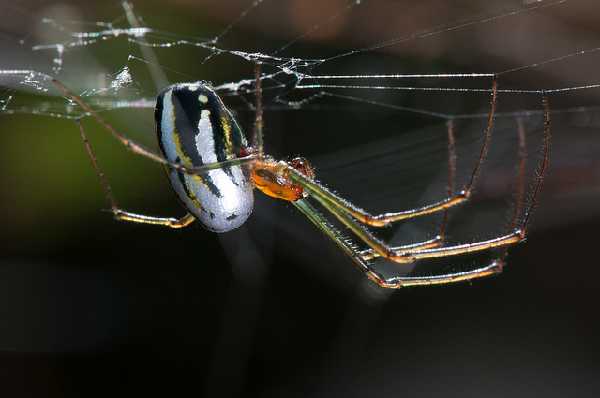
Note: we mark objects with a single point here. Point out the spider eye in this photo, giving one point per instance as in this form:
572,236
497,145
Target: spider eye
303,166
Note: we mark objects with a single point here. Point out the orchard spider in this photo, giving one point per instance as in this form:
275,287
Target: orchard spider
214,171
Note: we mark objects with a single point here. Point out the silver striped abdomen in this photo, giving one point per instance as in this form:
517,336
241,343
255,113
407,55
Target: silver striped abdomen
195,128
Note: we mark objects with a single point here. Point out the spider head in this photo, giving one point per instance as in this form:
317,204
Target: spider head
273,180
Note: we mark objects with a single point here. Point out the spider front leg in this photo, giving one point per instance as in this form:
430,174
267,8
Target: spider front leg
323,194
118,213
495,267
370,254
410,255
362,263
381,220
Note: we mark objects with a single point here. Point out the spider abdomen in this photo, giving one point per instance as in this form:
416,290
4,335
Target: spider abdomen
194,128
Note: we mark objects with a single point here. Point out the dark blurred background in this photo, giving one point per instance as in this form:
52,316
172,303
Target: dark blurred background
90,307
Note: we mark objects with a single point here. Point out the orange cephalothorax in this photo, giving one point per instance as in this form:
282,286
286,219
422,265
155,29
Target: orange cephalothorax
272,178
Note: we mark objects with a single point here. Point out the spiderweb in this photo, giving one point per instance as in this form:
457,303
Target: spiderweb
302,78
330,70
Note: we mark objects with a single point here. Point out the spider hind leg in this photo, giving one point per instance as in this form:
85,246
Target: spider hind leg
118,213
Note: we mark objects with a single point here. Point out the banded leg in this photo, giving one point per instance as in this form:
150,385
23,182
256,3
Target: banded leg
411,255
451,174
174,223
370,254
518,233
257,138
319,191
391,283
122,215
440,238
140,150
408,281
520,184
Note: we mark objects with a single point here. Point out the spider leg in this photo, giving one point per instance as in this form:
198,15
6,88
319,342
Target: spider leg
451,175
118,213
410,255
257,139
407,281
520,184
140,150
362,263
344,243
380,220
174,223
438,240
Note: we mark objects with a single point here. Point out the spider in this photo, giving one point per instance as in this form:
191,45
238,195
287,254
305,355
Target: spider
214,170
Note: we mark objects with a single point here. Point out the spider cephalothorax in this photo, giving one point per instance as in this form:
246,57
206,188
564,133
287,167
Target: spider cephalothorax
273,178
